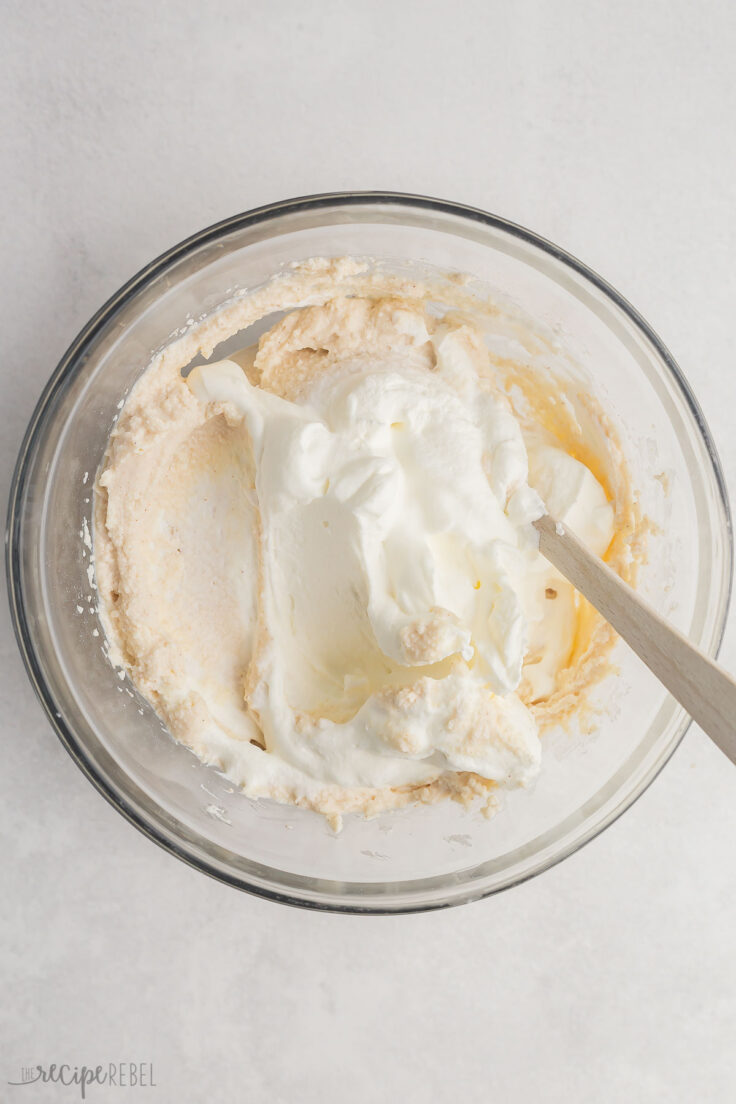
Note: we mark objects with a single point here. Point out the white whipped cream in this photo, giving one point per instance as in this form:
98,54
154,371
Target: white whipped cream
395,556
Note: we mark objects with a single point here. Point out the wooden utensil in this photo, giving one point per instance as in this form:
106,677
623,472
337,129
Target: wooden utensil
706,691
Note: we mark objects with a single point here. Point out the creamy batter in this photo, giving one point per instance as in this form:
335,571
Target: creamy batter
316,558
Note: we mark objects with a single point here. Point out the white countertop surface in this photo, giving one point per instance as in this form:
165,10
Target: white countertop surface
607,127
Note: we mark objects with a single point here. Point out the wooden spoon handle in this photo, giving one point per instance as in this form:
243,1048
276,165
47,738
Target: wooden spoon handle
706,691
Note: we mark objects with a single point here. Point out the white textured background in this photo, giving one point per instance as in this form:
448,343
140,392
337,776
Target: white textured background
607,127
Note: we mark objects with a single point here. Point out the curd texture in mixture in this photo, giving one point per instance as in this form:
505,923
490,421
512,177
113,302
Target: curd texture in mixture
316,559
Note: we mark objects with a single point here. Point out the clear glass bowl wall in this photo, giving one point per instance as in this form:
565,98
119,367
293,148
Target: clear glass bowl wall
424,857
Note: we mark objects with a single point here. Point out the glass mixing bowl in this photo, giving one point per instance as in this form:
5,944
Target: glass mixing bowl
418,858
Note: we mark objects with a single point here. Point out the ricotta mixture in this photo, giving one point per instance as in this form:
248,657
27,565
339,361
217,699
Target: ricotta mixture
315,558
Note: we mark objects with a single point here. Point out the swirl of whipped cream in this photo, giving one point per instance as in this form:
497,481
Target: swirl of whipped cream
394,546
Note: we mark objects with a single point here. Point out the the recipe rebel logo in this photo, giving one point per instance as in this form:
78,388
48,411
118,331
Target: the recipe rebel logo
120,1075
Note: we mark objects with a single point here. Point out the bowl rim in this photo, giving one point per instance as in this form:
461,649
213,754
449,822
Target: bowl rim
66,367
